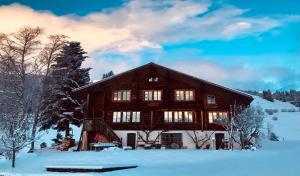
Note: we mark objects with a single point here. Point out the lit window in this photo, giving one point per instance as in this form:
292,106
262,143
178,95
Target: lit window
116,117
178,116
213,116
152,95
153,79
184,95
136,117
126,117
122,95
188,116
211,99
168,117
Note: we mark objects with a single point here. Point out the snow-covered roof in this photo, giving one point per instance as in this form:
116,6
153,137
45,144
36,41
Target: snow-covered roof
166,68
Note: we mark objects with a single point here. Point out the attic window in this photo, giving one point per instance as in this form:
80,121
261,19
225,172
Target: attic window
153,79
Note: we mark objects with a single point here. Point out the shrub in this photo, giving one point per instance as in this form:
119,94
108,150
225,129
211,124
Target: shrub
271,111
274,118
43,145
292,110
273,137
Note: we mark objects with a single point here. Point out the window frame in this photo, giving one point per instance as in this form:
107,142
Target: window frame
211,103
118,117
179,117
126,117
137,116
121,93
216,115
184,95
151,95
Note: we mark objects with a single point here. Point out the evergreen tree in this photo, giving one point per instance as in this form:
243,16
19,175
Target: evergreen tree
60,108
107,75
268,95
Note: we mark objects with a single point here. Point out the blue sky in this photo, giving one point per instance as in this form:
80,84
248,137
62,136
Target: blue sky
240,44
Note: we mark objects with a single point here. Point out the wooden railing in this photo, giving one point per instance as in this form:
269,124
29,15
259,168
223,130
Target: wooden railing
102,127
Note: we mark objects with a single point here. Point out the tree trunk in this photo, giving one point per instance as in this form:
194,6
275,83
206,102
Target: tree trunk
67,129
13,161
33,132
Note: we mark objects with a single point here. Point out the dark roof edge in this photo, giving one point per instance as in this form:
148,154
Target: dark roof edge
151,63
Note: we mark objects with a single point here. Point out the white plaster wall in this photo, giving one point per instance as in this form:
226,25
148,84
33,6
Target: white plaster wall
186,139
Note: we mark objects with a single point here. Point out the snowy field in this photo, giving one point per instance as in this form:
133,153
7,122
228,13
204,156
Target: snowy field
274,159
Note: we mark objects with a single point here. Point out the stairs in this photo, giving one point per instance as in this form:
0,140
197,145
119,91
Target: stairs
107,135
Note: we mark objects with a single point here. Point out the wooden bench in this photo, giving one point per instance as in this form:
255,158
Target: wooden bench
101,146
86,168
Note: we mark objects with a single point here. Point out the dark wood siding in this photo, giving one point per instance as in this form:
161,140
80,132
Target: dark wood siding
152,112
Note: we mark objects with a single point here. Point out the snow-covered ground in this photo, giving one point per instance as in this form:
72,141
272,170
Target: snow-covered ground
275,158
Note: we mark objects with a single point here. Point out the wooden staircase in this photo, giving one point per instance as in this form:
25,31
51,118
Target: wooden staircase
99,125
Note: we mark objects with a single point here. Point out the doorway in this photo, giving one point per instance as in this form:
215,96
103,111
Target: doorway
131,140
219,140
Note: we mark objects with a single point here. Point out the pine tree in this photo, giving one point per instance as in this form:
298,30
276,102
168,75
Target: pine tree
60,108
108,74
268,95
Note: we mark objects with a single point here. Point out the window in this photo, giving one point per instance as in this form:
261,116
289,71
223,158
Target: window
188,116
213,116
117,117
122,95
184,95
168,117
126,117
153,79
152,95
178,116
211,99
136,116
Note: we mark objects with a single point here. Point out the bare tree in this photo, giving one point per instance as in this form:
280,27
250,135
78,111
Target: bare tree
21,77
199,140
46,57
146,133
14,135
18,64
244,126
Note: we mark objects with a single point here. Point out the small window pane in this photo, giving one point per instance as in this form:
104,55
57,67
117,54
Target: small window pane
116,116
159,95
175,116
166,117
126,117
155,95
180,119
211,99
210,117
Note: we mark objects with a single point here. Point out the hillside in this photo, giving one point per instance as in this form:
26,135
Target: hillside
287,125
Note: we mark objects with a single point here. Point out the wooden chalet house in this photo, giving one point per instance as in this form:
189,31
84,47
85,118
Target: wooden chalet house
156,105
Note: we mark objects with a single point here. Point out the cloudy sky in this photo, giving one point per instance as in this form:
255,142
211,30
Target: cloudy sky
240,44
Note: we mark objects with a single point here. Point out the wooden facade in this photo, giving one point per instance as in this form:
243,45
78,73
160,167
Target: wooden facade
152,77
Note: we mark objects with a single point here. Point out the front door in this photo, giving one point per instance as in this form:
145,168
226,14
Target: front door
219,140
131,140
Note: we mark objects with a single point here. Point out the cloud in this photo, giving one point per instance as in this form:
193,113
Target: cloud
241,76
139,25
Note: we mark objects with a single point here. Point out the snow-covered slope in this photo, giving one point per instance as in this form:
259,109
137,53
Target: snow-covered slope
47,136
265,104
287,125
